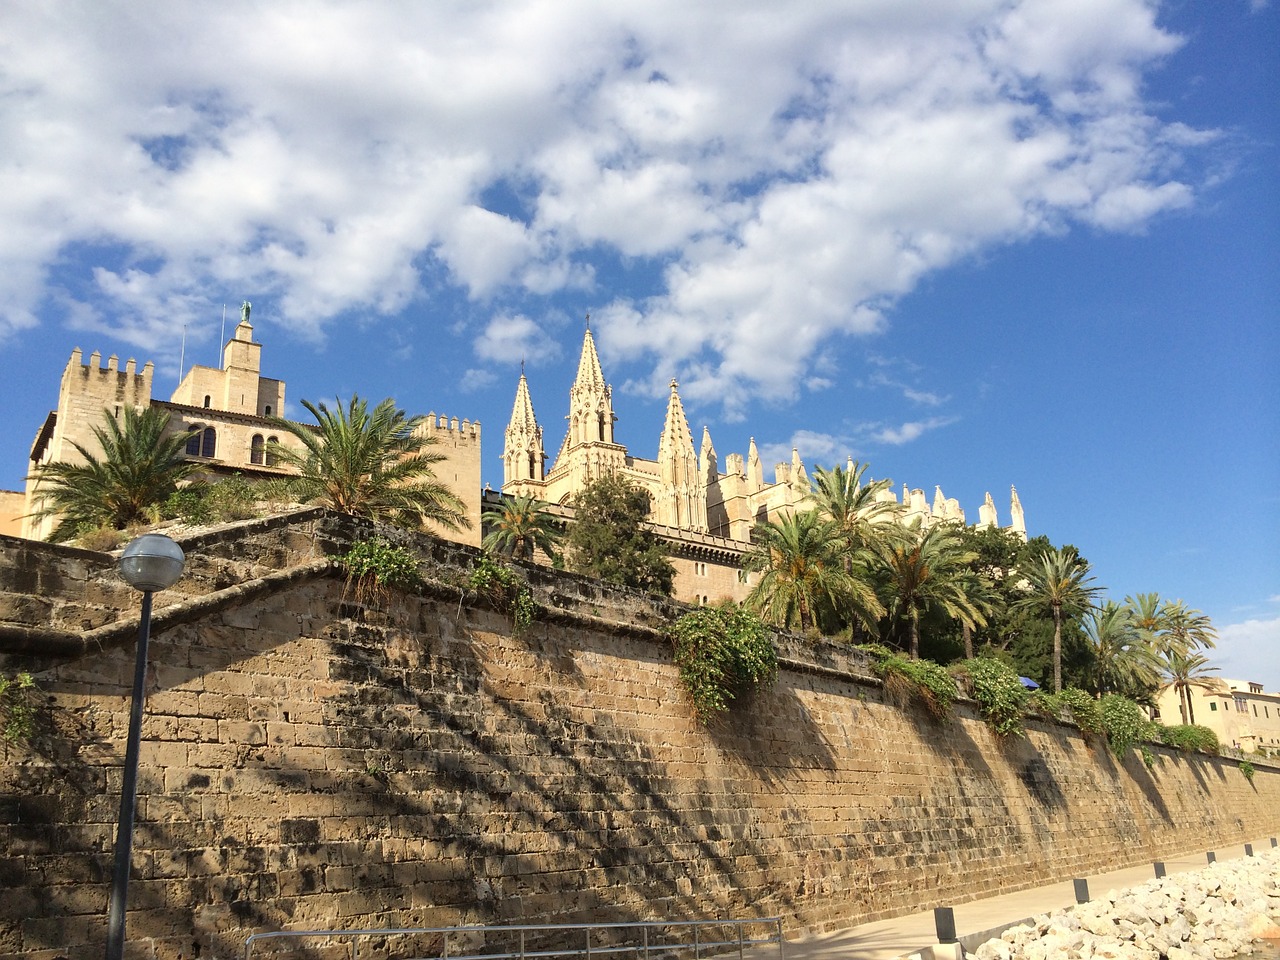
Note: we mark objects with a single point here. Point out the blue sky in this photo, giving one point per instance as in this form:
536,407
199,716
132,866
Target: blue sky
975,244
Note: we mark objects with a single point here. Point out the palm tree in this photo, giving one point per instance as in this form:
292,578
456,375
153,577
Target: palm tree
1059,580
853,506
518,526
1189,629
372,464
1122,659
930,570
804,574
1184,671
137,468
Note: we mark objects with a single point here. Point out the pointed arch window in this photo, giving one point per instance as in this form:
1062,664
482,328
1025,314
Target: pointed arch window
257,450
600,422
209,443
193,441
272,457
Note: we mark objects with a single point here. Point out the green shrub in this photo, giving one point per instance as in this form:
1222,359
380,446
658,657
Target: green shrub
1084,709
1190,737
375,567
906,680
1124,723
999,693
723,652
188,505
507,590
1247,769
18,707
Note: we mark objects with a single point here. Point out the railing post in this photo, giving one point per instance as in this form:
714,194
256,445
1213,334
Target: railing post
522,943
739,925
646,942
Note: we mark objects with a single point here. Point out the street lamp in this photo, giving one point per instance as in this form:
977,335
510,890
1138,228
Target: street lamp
151,562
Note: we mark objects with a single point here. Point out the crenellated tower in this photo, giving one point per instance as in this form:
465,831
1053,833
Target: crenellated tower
523,455
681,500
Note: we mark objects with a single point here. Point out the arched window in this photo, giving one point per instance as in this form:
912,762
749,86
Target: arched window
209,443
272,458
207,400
193,441
600,422
268,410
257,450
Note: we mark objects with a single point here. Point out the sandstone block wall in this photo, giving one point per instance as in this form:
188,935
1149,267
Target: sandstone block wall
310,762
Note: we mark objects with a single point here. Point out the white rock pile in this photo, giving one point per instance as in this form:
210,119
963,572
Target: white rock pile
1217,912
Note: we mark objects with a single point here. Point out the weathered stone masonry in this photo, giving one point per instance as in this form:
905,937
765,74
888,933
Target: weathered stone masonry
308,762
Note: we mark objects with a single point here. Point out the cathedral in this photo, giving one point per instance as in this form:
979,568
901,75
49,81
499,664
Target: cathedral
703,512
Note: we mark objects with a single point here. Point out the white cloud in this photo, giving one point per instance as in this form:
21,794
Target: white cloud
511,338
791,176
907,432
1248,651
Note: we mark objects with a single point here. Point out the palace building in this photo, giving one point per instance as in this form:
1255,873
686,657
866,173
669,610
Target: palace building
226,414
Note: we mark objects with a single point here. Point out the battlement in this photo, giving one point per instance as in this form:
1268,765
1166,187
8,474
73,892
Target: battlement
451,428
106,384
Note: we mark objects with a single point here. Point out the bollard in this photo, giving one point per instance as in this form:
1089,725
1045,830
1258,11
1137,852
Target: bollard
1248,849
1211,856
944,921
1082,890
1159,869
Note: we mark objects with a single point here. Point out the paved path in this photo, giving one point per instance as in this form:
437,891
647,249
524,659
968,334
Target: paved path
980,920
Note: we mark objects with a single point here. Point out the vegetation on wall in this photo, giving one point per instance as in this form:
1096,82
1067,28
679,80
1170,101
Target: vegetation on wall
999,693
723,653
507,590
1190,737
906,680
18,697
376,566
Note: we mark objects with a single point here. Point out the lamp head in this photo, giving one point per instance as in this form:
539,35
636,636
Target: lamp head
151,562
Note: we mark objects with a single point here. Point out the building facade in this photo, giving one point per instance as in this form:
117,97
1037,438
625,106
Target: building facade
1240,712
703,511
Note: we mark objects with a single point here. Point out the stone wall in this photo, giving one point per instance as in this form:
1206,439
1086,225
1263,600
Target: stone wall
311,762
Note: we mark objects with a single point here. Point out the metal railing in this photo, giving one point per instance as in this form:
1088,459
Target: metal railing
645,944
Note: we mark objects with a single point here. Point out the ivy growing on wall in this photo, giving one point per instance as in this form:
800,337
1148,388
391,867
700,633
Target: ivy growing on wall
906,680
723,652
507,590
375,567
999,693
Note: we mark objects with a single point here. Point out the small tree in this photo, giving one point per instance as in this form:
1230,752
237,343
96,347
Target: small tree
610,540
1059,581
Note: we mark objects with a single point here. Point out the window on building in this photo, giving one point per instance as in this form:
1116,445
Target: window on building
209,443
1213,705
272,457
1240,705
1255,709
268,410
193,442
258,450
207,401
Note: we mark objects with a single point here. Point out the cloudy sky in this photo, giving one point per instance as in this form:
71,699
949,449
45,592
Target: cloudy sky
976,243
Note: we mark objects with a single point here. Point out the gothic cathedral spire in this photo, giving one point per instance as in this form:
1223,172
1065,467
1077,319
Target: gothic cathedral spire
523,455
682,496
590,400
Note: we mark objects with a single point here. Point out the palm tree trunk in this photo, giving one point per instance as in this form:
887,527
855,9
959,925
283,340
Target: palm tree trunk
1057,649
1182,702
1191,708
915,635
967,632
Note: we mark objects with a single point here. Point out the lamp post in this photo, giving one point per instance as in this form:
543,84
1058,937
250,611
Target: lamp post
151,562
